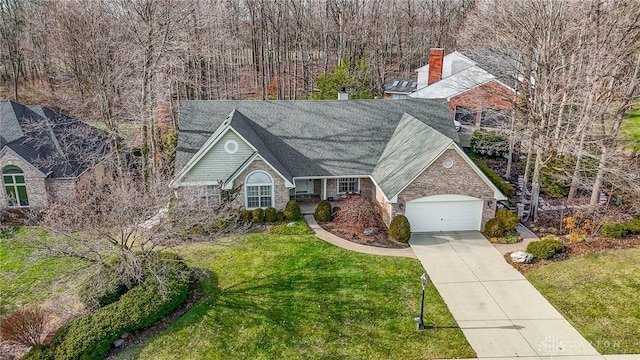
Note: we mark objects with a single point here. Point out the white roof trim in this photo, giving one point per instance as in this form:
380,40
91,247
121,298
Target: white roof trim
197,183
224,128
497,194
378,188
329,177
395,196
287,183
6,149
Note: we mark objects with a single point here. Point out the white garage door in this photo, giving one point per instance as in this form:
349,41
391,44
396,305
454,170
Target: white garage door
444,213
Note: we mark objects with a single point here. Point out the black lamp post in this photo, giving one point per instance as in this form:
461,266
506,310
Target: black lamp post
423,279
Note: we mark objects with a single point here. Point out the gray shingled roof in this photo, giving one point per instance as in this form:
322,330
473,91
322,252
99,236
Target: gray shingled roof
311,138
414,145
398,85
57,145
246,128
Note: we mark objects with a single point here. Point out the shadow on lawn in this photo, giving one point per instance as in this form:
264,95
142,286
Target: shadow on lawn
293,299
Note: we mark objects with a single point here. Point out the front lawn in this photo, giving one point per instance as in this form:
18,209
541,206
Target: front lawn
598,294
296,297
25,278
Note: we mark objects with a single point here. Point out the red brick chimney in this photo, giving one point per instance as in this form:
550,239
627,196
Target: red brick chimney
436,56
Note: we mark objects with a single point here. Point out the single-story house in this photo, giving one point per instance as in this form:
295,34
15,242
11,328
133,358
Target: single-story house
404,154
43,154
475,96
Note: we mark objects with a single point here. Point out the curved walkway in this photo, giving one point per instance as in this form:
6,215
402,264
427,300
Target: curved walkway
346,244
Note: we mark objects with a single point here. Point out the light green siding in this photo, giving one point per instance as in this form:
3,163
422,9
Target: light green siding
217,164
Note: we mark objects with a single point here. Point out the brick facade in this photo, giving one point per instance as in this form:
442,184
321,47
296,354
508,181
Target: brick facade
460,179
491,95
61,189
36,184
280,191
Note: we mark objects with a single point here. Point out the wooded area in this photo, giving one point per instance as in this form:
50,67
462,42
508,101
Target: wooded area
575,65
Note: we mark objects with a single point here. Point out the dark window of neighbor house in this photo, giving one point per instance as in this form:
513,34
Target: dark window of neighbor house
259,190
466,116
15,186
348,185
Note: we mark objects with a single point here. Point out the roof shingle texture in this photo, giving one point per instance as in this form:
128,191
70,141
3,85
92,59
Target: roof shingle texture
57,145
312,138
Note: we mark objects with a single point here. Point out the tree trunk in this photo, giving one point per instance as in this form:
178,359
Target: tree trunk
527,167
575,178
511,145
535,185
597,183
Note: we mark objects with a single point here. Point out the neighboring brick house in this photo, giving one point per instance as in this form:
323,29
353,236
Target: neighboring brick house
43,154
475,96
404,154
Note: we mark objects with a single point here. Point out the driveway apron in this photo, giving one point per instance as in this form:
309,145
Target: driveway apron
499,311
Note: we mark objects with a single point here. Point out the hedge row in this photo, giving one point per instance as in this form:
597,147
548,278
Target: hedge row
504,186
91,336
621,230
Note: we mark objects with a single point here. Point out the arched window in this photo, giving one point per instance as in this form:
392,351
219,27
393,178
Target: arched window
15,186
258,190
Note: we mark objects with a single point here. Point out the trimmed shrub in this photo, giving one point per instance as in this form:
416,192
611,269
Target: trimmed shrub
621,230
298,227
292,211
494,228
280,216
323,211
90,337
545,248
246,216
25,326
270,215
505,222
615,230
258,216
500,183
101,290
400,229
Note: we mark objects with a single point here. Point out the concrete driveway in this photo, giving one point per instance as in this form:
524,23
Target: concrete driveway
500,312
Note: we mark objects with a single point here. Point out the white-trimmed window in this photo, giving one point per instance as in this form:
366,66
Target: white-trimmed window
258,190
348,185
15,186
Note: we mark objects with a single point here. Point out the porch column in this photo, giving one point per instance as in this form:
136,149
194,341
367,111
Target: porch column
324,189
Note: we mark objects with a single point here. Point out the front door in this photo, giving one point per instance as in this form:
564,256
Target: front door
304,186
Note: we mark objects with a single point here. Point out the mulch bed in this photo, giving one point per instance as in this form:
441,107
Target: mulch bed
593,245
379,239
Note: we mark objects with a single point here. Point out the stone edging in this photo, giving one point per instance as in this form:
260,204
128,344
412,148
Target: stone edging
348,245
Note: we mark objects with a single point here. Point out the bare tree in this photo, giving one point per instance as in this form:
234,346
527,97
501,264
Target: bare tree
11,29
120,226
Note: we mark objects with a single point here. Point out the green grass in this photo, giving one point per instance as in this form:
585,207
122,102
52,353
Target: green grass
296,297
599,295
27,279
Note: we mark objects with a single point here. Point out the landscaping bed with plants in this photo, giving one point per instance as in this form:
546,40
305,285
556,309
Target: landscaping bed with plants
359,220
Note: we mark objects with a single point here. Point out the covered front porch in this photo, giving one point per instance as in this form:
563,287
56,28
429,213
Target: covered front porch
309,192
